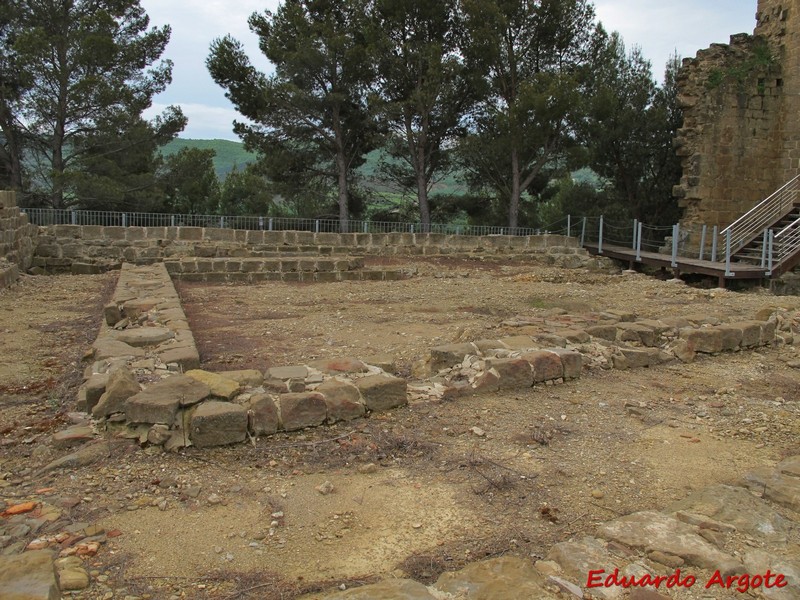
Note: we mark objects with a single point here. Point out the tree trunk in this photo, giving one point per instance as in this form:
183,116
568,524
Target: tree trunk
341,172
13,150
516,192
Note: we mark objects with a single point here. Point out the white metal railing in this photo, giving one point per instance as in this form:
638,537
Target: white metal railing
50,216
786,242
752,224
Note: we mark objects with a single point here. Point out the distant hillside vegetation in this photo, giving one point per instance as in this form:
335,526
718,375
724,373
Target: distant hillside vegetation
228,154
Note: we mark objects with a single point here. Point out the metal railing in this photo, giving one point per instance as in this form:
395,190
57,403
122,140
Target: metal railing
750,225
51,216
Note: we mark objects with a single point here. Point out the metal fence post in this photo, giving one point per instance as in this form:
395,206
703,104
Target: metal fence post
714,238
316,226
639,244
124,219
569,225
771,247
222,222
583,231
675,233
261,223
764,248
270,223
635,232
366,226
412,228
172,220
74,217
728,272
600,237
703,241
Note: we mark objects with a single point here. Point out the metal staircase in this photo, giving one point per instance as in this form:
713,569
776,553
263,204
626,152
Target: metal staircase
769,234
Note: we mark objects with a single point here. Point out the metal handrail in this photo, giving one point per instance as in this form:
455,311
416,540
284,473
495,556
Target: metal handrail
751,224
787,242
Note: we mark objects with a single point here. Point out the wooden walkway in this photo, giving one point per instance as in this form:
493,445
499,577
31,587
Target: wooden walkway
684,265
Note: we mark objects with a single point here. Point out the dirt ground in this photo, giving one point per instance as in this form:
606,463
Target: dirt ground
415,490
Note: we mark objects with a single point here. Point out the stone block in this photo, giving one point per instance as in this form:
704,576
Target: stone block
95,387
220,386
571,361
245,377
382,392
73,436
139,337
636,332
751,333
28,576
108,348
292,372
547,365
218,424
768,329
188,357
120,387
342,399
706,340
444,357
604,332
575,336
730,337
305,409
335,366
263,418
636,358
513,372
159,402
518,342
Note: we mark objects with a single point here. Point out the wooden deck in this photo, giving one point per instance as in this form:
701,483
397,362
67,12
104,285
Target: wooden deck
684,265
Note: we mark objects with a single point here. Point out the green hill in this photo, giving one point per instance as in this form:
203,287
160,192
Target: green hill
228,154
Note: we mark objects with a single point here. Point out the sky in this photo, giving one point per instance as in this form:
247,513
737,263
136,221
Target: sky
658,27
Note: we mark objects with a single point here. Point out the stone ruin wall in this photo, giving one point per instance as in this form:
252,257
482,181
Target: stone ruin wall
17,240
740,140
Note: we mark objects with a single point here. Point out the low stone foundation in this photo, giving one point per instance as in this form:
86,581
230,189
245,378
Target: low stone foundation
95,248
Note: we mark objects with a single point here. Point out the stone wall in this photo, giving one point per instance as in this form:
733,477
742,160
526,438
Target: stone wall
740,140
94,248
17,240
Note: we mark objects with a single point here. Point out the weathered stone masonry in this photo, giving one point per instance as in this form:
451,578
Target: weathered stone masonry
17,240
740,139
191,250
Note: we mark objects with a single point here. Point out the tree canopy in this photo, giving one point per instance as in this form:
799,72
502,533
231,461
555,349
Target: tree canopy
77,75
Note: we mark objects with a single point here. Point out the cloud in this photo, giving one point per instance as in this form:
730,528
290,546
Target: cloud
205,121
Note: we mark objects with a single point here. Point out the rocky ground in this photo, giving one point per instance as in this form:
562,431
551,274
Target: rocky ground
410,493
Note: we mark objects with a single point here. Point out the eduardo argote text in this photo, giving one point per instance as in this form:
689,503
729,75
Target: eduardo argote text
741,583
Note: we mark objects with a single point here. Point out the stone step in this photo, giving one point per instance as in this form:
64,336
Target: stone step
293,276
262,265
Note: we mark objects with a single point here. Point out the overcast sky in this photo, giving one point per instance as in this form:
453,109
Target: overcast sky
658,27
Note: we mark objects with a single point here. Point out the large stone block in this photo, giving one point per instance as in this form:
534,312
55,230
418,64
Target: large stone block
303,409
342,399
159,403
547,365
28,576
730,337
707,340
144,336
571,361
218,424
636,332
382,392
518,342
187,357
120,387
220,386
751,333
513,372
335,366
263,417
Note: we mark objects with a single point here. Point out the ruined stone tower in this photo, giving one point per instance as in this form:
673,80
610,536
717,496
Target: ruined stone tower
740,140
